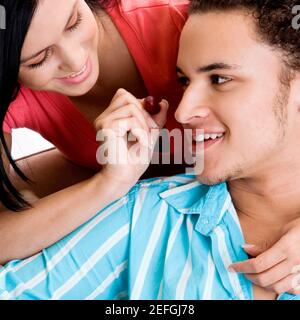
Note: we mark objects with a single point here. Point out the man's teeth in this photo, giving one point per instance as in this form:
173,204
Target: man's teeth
212,136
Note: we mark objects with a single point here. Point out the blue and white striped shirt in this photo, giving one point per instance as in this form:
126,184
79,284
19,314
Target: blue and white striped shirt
171,238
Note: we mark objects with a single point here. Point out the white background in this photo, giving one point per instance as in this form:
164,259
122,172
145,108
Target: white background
26,142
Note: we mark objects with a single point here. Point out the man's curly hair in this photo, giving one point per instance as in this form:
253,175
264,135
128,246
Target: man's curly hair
274,22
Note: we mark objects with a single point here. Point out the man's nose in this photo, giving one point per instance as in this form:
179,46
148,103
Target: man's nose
73,57
193,105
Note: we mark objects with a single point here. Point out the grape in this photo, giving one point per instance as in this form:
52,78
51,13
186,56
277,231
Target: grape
151,105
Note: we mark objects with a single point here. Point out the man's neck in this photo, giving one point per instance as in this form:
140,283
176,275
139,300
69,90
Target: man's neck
266,205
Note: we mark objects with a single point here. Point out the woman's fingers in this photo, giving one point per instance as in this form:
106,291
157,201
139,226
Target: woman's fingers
115,135
276,269
127,123
130,125
161,117
122,101
254,250
271,276
263,262
290,284
126,111
121,98
127,135
120,93
125,142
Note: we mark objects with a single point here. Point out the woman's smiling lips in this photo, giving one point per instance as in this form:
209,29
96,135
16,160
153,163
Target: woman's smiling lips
79,77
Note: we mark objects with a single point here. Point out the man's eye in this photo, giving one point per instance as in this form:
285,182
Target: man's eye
219,80
183,81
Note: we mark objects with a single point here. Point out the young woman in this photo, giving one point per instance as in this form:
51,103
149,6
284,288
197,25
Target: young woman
102,46
175,238
61,63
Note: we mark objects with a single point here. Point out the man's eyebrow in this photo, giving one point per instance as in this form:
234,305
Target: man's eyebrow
214,66
218,66
38,53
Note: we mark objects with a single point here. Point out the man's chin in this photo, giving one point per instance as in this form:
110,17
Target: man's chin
214,178
210,181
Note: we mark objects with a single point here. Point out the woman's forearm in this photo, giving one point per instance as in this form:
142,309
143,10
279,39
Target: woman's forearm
53,217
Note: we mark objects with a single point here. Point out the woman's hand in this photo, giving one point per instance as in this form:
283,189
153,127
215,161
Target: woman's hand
278,268
127,134
54,216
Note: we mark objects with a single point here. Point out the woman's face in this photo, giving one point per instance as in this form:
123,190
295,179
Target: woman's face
60,52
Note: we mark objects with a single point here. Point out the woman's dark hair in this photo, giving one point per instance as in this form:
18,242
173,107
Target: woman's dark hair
273,23
18,16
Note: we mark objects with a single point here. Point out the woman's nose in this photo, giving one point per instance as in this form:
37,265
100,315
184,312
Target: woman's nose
73,58
192,106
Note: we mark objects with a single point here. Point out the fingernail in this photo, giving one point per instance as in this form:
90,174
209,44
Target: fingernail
248,246
165,102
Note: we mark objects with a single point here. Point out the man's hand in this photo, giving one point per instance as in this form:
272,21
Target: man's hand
278,268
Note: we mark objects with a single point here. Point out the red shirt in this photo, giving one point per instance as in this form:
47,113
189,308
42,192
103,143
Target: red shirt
151,30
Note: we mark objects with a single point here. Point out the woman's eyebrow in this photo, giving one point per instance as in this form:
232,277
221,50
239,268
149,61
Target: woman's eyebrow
41,51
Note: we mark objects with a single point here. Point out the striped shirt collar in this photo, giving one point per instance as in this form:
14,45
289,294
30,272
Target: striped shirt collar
209,202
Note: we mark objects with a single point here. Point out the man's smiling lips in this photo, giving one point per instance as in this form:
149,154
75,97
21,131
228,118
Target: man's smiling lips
204,138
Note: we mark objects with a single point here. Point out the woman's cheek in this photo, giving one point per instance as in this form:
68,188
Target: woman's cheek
90,29
89,25
89,33
35,80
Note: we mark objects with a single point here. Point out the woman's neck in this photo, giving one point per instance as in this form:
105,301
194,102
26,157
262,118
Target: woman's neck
117,66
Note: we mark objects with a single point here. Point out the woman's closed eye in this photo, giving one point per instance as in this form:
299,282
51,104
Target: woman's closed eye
42,62
76,24
73,27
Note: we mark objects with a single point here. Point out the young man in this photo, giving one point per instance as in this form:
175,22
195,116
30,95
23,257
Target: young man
176,238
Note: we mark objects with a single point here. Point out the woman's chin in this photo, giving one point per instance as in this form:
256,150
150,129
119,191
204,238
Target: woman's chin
76,90
79,92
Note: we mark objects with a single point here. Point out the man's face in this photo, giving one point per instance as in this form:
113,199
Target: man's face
232,87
